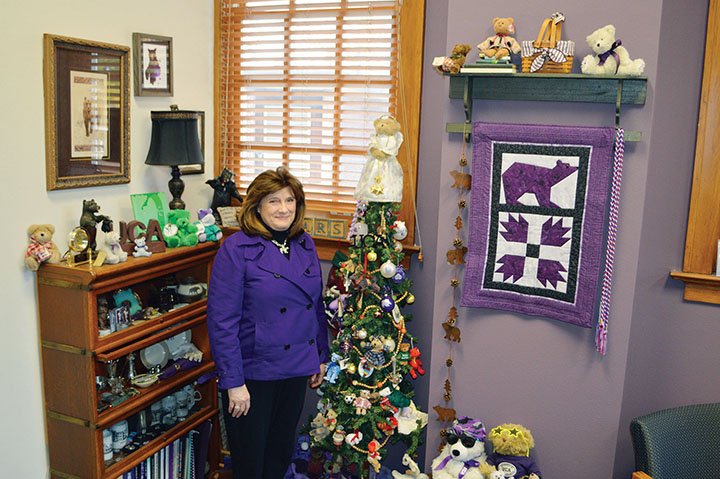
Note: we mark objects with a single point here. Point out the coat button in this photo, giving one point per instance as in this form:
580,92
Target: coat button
307,271
277,275
311,342
283,309
287,346
308,306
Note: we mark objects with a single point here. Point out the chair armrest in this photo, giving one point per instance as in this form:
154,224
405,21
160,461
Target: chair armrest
640,475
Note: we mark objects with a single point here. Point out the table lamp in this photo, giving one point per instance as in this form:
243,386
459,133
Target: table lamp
175,141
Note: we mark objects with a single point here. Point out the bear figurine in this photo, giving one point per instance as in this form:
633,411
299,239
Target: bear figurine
610,58
502,44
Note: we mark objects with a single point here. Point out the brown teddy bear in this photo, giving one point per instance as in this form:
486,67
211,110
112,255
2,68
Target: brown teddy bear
500,45
41,248
452,63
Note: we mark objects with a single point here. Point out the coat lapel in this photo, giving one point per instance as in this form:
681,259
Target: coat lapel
298,270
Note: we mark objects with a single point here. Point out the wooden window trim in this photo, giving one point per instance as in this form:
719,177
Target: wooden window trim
703,230
411,38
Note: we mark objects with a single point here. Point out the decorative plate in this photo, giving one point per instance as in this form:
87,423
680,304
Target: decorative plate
155,355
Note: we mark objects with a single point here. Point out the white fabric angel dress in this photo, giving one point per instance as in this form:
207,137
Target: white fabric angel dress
382,176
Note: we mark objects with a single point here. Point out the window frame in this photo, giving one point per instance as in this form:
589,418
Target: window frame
410,39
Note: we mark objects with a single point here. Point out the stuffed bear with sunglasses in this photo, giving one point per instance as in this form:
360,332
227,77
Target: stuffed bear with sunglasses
511,453
464,454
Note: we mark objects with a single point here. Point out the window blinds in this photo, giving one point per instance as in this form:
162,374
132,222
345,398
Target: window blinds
301,82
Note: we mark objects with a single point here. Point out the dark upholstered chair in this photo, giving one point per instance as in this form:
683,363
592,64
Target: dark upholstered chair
681,442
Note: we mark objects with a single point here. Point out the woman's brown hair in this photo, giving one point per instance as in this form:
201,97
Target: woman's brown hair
266,183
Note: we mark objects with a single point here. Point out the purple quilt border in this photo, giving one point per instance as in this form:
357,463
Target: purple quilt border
591,242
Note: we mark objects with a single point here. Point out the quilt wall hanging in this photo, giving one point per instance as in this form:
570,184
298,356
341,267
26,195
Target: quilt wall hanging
538,211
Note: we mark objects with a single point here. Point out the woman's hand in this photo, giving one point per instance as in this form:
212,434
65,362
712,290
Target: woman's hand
317,379
238,401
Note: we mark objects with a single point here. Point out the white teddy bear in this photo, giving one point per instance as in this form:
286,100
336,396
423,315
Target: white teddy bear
112,249
463,456
610,57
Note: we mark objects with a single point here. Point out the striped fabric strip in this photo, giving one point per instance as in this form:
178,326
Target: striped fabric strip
604,314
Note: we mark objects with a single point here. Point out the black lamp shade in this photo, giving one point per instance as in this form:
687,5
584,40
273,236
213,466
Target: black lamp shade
175,140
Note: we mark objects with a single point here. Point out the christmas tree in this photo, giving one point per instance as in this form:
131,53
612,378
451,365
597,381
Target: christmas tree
366,398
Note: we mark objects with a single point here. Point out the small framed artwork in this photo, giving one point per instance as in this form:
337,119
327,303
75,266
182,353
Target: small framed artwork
153,65
87,112
150,206
197,169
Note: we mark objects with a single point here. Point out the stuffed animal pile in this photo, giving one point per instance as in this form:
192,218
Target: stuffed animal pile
610,58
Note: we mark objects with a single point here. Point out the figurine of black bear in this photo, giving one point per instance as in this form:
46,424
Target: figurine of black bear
89,220
225,191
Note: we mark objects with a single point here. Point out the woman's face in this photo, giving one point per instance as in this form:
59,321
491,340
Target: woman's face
277,209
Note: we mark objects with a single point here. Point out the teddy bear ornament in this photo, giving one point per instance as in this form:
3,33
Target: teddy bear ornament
382,176
610,58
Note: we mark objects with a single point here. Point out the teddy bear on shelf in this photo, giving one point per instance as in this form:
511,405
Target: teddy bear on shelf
511,453
610,58
382,176
502,44
112,250
141,249
41,248
207,229
463,455
454,62
178,231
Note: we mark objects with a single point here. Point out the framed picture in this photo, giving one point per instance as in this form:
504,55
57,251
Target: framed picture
197,169
87,113
153,64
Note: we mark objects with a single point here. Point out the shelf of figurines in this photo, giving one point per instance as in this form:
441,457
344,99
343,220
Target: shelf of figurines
126,383
613,89
699,287
129,441
134,299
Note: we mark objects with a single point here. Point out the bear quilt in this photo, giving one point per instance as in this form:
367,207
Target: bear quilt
537,219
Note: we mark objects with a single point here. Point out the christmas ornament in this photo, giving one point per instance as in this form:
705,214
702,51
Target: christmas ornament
351,369
362,402
364,369
375,354
374,456
354,438
388,269
399,275
389,344
372,256
400,230
415,363
338,436
410,299
387,303
350,398
361,334
397,246
361,228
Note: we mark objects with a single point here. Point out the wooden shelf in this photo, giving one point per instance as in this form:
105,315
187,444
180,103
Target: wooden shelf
620,90
151,394
699,287
125,464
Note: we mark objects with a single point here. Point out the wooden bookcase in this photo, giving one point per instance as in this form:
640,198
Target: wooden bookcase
73,355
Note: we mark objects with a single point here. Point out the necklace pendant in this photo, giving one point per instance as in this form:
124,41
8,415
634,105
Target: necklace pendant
283,247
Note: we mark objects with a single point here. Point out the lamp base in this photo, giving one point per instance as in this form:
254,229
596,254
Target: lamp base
176,187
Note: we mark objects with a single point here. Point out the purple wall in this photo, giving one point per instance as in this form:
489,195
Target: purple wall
545,374
673,357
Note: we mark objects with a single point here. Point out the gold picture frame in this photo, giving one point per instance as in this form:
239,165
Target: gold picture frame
87,112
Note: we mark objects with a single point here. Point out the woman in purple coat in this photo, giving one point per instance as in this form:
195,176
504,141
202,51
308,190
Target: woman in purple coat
266,322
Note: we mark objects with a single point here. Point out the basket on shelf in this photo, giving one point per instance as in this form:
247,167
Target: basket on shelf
548,54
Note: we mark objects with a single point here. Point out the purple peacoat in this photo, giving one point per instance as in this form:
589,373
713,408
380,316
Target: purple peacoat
265,313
